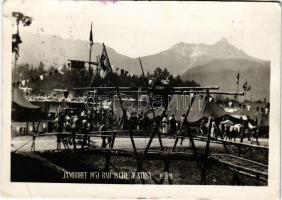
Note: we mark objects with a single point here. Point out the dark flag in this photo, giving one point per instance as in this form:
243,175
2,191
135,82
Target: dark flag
26,20
16,40
238,78
76,64
105,66
245,86
66,94
91,36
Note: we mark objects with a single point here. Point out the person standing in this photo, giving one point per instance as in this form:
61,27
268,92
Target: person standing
254,130
172,124
84,132
74,129
102,129
145,124
164,125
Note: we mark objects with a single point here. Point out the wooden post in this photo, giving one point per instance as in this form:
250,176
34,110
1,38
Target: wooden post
58,141
175,143
107,162
205,157
236,180
73,140
113,140
242,131
33,128
151,105
33,143
208,137
182,125
37,128
26,130
192,142
166,172
223,143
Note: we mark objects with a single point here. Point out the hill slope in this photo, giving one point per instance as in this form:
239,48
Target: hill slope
55,51
223,72
216,64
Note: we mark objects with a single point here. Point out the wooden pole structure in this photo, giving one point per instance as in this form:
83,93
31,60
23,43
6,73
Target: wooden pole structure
238,83
123,110
182,125
151,104
90,50
205,157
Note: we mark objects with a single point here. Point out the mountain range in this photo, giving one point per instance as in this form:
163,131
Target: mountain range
215,64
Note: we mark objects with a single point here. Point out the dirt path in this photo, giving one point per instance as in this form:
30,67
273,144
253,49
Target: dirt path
49,143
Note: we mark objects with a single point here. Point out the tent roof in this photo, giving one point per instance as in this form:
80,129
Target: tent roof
178,106
199,109
19,99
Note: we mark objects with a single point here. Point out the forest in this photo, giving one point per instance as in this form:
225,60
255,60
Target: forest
43,80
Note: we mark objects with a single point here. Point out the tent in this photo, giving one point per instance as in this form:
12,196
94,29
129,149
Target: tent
178,105
22,109
200,108
19,100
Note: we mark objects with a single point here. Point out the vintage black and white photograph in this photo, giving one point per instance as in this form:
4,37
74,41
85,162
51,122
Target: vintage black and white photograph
151,93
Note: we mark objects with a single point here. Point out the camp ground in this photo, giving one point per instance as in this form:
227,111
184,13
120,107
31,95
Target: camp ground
92,114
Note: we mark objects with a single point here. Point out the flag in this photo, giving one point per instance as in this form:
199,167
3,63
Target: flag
245,86
26,20
238,78
249,88
16,40
66,94
91,37
105,66
77,64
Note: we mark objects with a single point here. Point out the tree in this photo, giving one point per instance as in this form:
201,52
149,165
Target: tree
40,69
160,74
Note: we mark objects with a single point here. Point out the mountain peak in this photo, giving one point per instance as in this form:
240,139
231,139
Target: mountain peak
223,41
179,45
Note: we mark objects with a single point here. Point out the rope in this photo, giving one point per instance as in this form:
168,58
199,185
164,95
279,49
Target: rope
23,145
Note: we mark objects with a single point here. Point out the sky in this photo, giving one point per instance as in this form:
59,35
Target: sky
144,28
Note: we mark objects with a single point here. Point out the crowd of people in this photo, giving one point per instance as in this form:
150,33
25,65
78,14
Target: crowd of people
86,121
224,128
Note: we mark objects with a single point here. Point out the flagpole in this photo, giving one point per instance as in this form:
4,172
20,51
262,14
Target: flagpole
238,83
15,67
115,80
157,124
90,51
